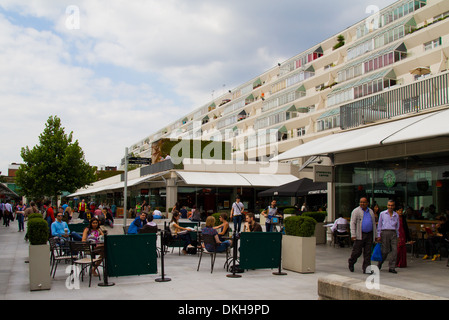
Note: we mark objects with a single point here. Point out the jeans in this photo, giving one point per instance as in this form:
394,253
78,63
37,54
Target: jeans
237,219
20,219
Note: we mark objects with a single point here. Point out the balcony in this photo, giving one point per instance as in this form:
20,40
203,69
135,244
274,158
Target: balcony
425,94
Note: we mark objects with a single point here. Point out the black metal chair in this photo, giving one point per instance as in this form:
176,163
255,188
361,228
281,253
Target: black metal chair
58,252
206,239
83,255
340,237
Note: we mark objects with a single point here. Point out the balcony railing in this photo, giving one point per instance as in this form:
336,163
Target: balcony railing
425,94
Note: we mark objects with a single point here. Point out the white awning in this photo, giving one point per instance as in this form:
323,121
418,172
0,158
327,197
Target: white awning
412,128
268,180
110,187
213,179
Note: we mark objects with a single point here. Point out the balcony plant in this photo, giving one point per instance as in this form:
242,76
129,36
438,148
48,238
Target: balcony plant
299,244
340,42
39,253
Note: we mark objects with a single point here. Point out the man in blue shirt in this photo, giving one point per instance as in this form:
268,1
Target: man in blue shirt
363,232
61,230
388,234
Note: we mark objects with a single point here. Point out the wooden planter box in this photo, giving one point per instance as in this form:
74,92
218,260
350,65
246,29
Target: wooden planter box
298,254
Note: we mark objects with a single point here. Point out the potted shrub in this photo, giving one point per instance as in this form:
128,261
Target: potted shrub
320,231
289,212
39,254
299,244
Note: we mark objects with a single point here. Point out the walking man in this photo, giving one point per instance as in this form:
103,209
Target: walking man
388,234
363,231
237,214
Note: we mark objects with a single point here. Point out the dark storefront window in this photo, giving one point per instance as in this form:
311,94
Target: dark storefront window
417,182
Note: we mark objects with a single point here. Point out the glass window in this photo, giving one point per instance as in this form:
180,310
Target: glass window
418,182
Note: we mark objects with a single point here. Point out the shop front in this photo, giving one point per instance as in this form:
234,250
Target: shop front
419,182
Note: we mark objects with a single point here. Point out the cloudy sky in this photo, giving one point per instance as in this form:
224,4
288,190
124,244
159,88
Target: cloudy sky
116,71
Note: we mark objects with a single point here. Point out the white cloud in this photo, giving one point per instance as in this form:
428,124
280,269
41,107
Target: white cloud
178,53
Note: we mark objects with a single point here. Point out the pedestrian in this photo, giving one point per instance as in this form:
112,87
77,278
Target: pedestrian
388,234
7,214
20,211
363,231
82,209
237,214
269,213
31,209
404,238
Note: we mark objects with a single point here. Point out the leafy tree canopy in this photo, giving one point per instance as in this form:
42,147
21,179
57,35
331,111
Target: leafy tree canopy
56,164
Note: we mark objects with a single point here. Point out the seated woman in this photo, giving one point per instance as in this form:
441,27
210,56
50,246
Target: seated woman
210,230
179,232
224,226
92,234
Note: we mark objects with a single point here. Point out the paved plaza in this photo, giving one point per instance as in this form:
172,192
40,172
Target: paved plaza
431,277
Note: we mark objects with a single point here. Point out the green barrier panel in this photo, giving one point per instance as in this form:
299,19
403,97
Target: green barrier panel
133,254
260,250
78,227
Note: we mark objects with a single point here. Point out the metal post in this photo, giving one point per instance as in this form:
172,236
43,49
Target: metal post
234,258
162,279
280,273
105,282
125,191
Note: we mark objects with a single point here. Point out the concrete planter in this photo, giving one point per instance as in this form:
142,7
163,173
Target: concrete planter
39,267
298,254
320,233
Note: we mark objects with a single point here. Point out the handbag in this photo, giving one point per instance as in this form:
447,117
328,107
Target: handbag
377,253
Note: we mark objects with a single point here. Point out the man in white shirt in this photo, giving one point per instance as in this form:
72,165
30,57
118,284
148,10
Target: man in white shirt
335,230
7,213
157,214
237,214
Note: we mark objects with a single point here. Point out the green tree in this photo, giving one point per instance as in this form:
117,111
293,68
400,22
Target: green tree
55,165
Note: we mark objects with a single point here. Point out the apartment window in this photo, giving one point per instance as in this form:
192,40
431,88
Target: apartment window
301,131
432,44
328,123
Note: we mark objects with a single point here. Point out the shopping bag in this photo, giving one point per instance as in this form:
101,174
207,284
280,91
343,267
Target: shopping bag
377,253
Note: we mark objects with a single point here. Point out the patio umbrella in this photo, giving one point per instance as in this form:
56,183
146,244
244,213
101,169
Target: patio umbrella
298,188
419,71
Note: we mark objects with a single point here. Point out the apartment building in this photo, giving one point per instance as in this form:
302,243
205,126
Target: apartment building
388,67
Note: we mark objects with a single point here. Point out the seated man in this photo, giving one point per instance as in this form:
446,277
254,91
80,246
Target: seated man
157,214
87,215
335,230
61,230
137,224
251,225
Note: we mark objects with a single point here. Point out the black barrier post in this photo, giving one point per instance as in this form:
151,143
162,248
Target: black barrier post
280,273
105,282
162,279
234,256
